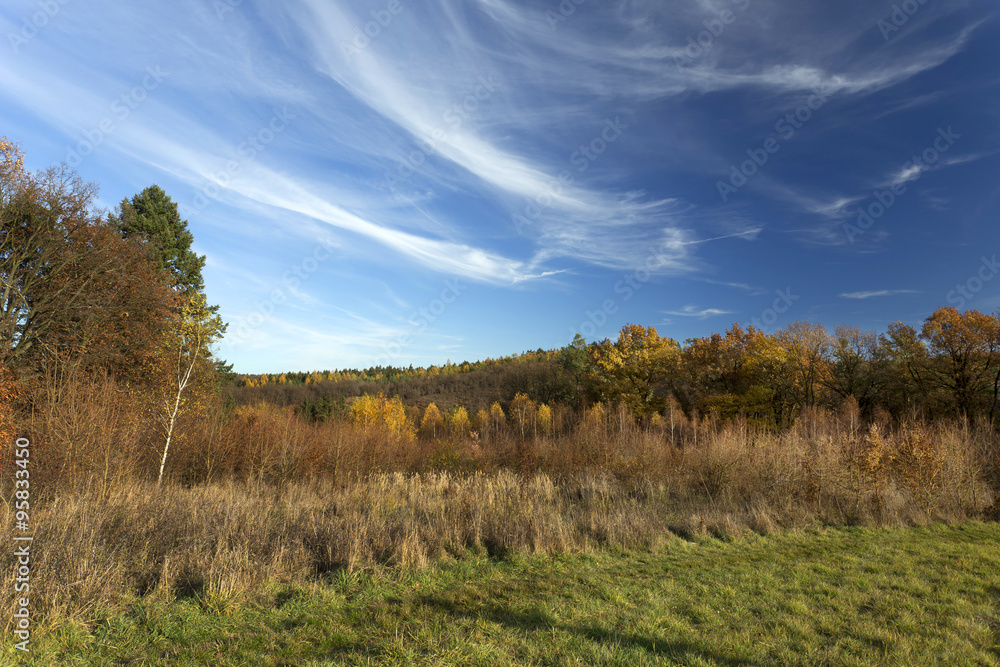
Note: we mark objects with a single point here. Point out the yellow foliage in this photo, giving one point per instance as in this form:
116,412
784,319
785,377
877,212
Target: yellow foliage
364,411
246,412
378,413
458,421
630,369
394,417
432,421
12,173
497,418
483,421
594,419
544,419
523,414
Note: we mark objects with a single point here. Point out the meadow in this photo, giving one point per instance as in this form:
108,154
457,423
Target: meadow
278,540
841,596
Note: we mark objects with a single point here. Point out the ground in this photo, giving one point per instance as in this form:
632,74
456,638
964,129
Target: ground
846,596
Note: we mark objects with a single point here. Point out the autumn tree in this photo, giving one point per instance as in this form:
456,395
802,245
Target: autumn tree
482,422
498,420
544,419
116,321
634,367
715,371
523,413
68,284
906,357
742,372
381,415
41,217
965,346
187,343
856,367
806,344
457,421
432,422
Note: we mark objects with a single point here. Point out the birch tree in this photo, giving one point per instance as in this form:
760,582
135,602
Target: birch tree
189,341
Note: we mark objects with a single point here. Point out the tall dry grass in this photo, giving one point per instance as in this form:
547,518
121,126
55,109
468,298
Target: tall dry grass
258,495
93,434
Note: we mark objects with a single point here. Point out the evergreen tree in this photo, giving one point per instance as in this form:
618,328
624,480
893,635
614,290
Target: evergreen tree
151,217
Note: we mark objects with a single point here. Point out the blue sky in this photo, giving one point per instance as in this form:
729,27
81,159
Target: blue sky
406,181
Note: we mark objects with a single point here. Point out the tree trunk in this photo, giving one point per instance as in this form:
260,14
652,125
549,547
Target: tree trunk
170,432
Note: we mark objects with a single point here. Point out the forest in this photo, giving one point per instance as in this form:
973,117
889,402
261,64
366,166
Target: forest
153,456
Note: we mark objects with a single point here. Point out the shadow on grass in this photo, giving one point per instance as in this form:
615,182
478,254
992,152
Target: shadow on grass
538,619
994,621
678,650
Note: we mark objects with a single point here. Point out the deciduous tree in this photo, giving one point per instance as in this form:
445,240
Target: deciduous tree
634,367
432,421
68,283
458,421
523,414
188,341
856,366
807,345
966,346
907,360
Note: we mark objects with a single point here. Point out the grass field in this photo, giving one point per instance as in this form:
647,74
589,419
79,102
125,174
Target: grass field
846,596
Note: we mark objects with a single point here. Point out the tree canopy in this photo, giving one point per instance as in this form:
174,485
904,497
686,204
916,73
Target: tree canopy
152,218
69,284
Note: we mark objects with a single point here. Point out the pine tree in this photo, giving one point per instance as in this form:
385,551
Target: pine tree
151,217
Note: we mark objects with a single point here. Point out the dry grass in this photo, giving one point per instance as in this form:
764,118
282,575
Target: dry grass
259,495
222,542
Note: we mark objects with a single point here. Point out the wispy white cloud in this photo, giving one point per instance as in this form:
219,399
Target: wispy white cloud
953,160
740,286
694,311
416,148
876,293
395,76
836,208
910,172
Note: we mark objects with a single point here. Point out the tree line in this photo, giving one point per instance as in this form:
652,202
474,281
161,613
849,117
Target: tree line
390,373
950,367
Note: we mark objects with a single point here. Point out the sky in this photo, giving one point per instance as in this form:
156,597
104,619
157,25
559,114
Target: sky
401,182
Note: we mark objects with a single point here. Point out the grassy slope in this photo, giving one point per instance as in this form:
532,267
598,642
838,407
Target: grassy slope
914,596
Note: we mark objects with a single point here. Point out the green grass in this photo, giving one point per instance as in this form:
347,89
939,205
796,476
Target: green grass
911,596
